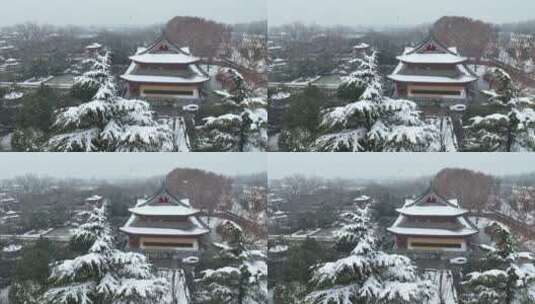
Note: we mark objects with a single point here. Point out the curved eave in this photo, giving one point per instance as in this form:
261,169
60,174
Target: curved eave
404,212
444,233
166,80
461,60
163,214
191,61
423,79
162,232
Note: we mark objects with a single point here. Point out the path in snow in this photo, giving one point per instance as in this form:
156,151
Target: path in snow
181,136
273,143
5,142
180,293
442,280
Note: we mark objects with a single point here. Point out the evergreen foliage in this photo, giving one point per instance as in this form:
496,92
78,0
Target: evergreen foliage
102,273
242,277
366,275
109,123
510,131
244,128
375,122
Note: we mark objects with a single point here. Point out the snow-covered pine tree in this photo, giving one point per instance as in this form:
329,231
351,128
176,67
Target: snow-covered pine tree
242,277
109,123
375,122
367,275
87,85
513,130
356,225
102,273
244,129
500,279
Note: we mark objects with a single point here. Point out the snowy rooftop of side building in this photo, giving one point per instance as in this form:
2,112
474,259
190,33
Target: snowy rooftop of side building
278,249
361,46
164,210
361,198
94,46
12,248
442,58
164,58
432,211
94,198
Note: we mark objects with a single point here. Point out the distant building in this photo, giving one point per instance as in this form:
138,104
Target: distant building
164,223
434,223
11,65
362,200
10,217
360,49
164,71
432,71
94,201
93,49
8,202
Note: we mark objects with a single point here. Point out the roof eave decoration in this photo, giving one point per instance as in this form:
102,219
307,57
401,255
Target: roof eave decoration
431,38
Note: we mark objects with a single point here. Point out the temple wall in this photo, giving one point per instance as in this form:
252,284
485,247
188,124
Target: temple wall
151,242
412,88
431,243
179,89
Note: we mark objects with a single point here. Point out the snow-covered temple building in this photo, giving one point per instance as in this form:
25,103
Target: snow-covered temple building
164,223
164,71
432,71
432,222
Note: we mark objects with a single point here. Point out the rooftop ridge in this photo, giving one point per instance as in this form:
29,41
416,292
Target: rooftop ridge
432,38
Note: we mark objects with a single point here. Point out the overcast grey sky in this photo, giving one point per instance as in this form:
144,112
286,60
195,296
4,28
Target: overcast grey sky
395,165
395,12
128,12
127,165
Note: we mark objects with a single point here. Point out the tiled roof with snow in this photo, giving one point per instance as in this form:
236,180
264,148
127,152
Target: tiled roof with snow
94,198
164,231
163,79
194,227
463,228
94,46
192,75
361,198
432,211
361,46
164,58
12,248
461,76
442,58
164,210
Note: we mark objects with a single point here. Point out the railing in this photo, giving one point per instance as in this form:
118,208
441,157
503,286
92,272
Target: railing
430,254
437,101
166,253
